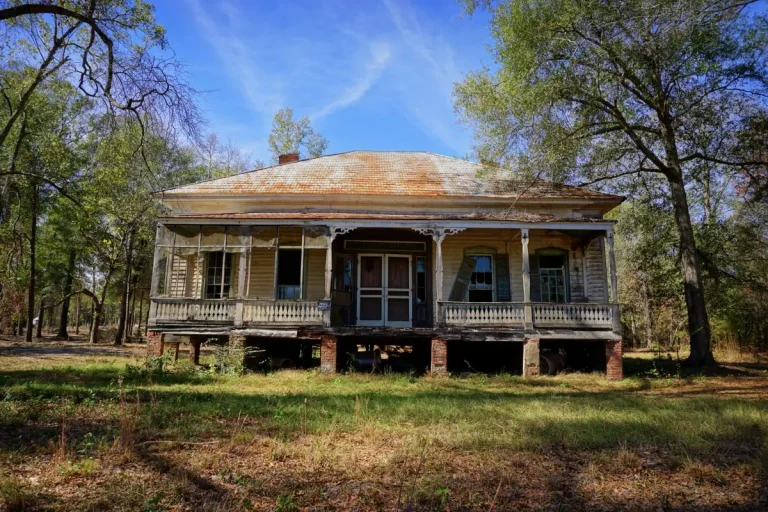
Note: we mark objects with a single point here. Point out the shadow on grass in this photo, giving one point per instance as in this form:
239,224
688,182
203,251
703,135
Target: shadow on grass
663,367
458,414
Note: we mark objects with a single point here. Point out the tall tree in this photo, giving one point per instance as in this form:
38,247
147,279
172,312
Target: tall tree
221,160
113,51
289,136
592,91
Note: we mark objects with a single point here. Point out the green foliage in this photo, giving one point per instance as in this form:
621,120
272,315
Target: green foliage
285,504
231,360
657,100
289,136
154,503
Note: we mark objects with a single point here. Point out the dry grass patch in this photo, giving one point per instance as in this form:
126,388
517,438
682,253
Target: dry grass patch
299,439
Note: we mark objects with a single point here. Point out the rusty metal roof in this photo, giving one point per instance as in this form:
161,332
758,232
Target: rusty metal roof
508,215
385,173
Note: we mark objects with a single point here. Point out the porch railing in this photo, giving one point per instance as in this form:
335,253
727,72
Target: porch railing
193,310
503,314
282,312
572,315
235,311
482,313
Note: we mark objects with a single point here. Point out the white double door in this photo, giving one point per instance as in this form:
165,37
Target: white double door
384,290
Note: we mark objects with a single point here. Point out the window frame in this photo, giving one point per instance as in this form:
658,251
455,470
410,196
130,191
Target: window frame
563,253
225,261
302,286
490,256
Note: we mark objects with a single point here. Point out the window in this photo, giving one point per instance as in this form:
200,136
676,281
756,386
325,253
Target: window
288,274
552,276
219,269
342,273
481,282
421,280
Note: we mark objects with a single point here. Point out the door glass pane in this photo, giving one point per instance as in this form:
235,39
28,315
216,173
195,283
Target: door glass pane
370,308
397,310
397,273
370,272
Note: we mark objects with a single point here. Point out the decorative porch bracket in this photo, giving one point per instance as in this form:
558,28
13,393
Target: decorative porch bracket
438,235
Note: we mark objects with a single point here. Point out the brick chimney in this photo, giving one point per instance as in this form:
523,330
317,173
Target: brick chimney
288,158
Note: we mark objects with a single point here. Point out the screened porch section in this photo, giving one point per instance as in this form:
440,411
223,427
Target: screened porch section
239,275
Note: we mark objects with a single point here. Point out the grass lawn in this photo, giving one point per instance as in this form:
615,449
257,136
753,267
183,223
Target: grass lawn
81,428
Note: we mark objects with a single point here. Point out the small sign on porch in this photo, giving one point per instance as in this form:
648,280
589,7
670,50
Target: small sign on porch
323,305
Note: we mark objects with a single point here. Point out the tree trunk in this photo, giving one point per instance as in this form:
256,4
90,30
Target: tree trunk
93,304
40,318
647,313
141,305
98,310
32,269
125,295
64,316
95,322
77,315
132,309
698,321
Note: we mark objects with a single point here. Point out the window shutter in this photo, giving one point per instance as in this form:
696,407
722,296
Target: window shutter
461,284
535,281
503,290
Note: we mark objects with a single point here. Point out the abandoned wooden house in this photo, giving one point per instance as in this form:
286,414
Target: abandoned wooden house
409,260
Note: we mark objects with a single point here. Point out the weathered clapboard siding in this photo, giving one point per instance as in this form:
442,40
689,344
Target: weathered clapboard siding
194,277
597,285
541,239
262,279
455,245
314,275
177,285
453,254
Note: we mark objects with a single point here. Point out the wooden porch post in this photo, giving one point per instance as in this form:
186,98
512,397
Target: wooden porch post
329,262
301,264
527,308
200,271
438,236
614,282
155,284
241,273
277,251
328,273
223,265
156,263
169,267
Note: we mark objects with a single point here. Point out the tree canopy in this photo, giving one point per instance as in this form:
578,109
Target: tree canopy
593,92
289,136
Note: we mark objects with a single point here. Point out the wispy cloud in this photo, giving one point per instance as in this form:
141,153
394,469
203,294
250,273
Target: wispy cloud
236,56
312,75
426,78
380,55
334,60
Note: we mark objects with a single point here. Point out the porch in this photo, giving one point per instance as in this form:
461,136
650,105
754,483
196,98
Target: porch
398,277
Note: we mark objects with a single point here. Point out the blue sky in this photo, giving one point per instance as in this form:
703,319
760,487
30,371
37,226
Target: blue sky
373,74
